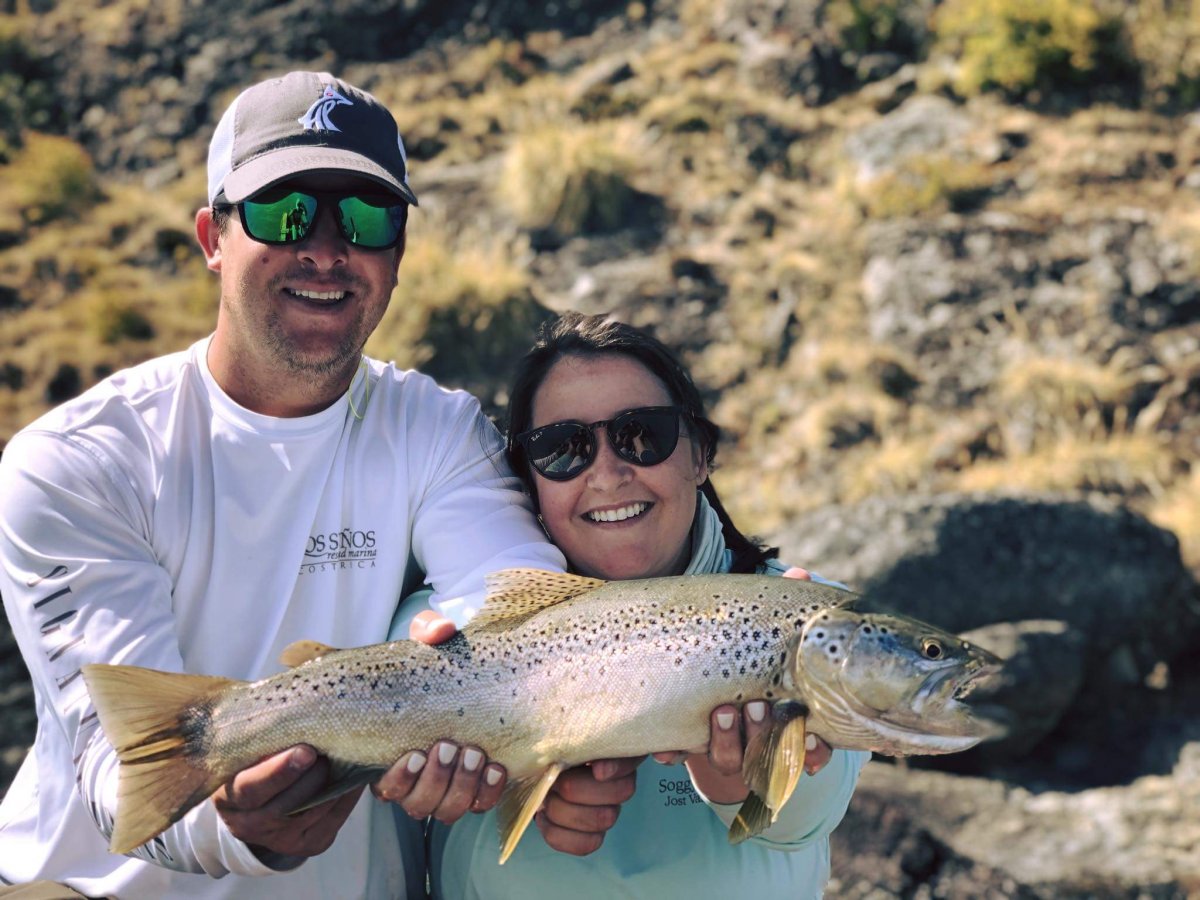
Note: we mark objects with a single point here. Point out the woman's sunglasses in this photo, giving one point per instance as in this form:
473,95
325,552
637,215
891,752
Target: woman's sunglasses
373,221
644,436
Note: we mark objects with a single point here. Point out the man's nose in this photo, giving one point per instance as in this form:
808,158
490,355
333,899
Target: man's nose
325,247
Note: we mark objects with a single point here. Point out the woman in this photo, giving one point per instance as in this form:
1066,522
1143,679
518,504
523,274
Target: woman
608,433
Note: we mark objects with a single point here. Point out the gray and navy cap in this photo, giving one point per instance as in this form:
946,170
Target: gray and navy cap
304,122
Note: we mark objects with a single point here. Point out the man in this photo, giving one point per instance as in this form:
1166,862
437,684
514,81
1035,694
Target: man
202,511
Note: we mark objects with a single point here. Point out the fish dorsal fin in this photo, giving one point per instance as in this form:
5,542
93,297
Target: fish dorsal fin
520,802
773,764
514,594
299,652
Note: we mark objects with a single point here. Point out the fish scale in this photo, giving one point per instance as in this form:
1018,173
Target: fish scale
555,670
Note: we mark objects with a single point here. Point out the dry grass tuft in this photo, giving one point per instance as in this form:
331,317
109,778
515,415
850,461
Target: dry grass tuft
571,180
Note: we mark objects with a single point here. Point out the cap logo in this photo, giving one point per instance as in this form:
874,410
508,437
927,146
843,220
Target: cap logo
317,117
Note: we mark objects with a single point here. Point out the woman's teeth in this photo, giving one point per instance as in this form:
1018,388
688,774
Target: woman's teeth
618,515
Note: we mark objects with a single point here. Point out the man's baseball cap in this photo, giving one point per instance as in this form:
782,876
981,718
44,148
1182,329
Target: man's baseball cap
304,122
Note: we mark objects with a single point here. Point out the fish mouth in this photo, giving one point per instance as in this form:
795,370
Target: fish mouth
951,688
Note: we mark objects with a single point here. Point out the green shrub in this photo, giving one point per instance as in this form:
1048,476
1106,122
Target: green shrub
1165,39
49,178
871,26
927,185
1022,46
27,99
114,320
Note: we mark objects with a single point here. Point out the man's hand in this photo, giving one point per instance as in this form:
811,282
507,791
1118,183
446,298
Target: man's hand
255,802
584,804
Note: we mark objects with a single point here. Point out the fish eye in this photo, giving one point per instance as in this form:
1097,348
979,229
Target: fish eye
931,648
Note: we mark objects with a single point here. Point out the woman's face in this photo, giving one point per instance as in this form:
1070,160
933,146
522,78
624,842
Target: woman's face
653,505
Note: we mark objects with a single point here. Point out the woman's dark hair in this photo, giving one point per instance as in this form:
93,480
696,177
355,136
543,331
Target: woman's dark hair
573,334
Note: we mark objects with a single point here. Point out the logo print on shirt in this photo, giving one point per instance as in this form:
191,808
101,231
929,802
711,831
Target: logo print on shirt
317,117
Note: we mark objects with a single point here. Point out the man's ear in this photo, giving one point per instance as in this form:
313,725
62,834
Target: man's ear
209,237
400,247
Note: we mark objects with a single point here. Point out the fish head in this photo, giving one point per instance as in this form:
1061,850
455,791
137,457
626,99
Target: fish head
891,684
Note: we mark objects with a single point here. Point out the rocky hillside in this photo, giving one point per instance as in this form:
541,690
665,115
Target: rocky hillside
934,264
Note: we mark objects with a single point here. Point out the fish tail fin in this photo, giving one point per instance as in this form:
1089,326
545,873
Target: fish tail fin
156,722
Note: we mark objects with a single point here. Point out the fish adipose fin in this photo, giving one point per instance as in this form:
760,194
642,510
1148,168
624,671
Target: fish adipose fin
520,802
155,722
515,594
773,764
299,652
343,778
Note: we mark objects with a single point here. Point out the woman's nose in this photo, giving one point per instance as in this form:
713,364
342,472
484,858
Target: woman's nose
608,470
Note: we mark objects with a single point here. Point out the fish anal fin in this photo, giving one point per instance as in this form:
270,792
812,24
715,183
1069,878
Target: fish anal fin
774,759
155,722
753,817
299,652
522,799
343,778
514,594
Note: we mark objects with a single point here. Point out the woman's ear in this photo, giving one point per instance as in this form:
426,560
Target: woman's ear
700,460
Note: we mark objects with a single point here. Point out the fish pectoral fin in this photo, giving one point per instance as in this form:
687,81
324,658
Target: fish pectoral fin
521,800
299,652
343,778
754,817
774,760
514,594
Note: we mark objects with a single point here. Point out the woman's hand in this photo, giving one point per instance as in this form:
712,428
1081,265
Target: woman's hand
717,774
447,781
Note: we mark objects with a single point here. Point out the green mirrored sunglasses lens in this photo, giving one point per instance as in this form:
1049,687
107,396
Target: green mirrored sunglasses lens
369,225
280,220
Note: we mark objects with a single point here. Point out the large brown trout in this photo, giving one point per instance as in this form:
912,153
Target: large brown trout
556,670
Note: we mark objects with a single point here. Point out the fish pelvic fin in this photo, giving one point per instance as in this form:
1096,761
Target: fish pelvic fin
753,817
343,778
774,759
299,652
521,800
515,594
151,719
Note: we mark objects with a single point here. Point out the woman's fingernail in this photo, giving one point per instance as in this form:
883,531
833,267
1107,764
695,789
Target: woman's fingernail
471,759
724,720
757,710
446,753
810,742
603,770
416,762
492,776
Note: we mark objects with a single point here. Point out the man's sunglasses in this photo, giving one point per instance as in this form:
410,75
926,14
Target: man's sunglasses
644,436
372,221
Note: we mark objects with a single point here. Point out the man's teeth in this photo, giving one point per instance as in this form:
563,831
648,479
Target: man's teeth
318,295
618,515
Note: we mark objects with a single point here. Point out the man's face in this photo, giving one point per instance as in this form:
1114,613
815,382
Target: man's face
305,308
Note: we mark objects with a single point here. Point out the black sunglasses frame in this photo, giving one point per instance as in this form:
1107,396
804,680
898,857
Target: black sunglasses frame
325,200
525,438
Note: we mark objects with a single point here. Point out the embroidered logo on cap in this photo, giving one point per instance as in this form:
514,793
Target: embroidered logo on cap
317,117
